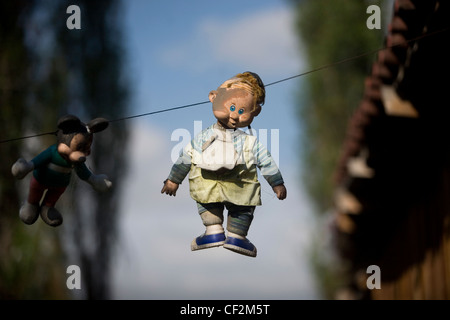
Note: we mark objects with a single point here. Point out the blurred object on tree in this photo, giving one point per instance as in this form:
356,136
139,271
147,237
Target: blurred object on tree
31,260
48,70
94,58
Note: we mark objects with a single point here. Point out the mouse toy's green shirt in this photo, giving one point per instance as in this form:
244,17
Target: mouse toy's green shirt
52,170
222,167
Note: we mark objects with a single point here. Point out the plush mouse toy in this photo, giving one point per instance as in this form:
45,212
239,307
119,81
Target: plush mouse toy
222,161
52,169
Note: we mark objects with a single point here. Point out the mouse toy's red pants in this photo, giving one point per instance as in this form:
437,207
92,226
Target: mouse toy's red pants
37,191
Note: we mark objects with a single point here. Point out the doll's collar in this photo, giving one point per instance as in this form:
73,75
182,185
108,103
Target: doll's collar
218,125
234,131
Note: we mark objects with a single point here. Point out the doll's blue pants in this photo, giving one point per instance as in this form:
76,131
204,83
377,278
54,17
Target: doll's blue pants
239,217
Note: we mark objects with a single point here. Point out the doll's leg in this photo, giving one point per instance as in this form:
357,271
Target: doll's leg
52,196
49,214
29,212
212,218
36,191
239,221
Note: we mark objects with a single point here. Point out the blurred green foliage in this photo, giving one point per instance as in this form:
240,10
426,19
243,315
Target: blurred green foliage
330,31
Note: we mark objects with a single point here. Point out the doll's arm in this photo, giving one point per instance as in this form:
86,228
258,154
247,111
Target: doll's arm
170,188
99,182
182,166
270,170
179,171
281,191
176,176
22,167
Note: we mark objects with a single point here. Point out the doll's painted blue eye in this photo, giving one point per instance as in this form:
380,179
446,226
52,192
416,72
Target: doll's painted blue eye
233,107
241,111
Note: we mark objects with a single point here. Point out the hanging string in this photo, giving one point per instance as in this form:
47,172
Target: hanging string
160,111
360,56
367,53
27,137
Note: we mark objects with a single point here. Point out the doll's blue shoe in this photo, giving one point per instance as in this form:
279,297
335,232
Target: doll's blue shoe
242,246
208,241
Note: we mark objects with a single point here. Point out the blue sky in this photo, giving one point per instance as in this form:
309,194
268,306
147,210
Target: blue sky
177,52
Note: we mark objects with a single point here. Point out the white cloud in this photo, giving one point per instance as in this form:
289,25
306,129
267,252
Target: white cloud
263,41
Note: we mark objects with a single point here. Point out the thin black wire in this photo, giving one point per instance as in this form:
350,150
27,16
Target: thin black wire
327,66
360,56
159,111
267,85
115,120
27,137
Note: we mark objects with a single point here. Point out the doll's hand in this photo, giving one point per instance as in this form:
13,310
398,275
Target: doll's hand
99,182
281,191
21,168
170,188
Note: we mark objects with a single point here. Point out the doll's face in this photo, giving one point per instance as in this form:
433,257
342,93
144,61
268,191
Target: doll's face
233,108
77,149
75,138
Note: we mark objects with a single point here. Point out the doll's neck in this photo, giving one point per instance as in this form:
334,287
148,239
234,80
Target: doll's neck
223,126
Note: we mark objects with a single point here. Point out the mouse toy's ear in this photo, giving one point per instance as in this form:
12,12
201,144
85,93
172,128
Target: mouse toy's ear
69,124
97,125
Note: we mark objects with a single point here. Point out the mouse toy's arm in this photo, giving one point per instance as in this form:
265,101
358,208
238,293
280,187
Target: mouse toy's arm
21,168
99,182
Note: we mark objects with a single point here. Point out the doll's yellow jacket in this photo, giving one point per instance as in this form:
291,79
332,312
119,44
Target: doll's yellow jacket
239,185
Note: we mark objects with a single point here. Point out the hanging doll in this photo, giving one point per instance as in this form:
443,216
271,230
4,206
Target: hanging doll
52,169
222,161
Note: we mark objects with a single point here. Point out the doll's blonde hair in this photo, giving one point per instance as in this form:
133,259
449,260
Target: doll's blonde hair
251,83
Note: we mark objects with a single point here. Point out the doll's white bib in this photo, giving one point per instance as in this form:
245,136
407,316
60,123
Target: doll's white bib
218,152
